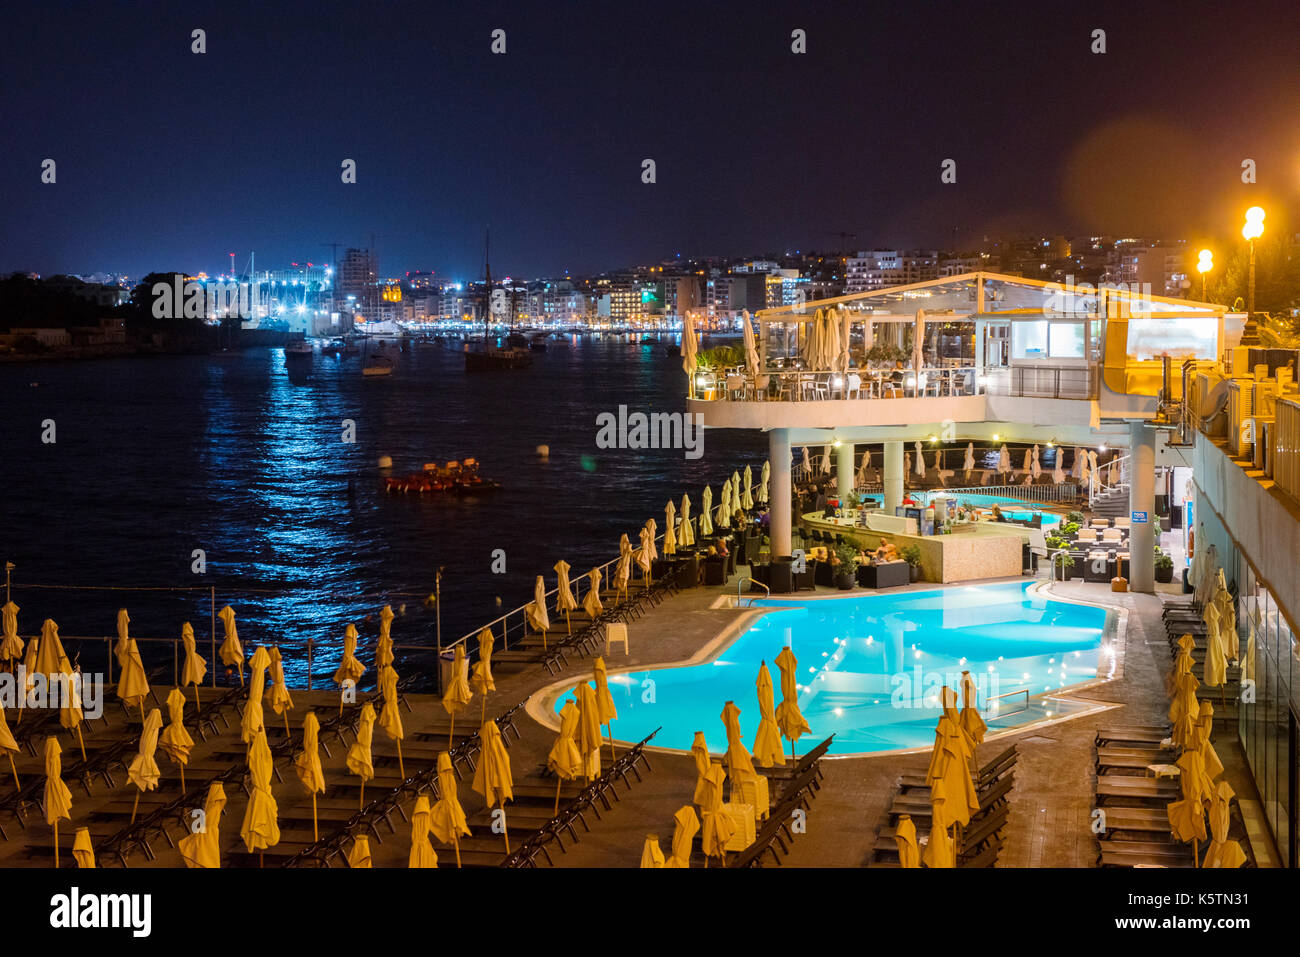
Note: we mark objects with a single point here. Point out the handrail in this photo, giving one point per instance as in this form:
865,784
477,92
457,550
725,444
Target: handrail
1098,485
1052,563
1009,694
740,581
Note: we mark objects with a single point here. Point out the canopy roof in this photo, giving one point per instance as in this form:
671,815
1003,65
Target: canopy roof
989,294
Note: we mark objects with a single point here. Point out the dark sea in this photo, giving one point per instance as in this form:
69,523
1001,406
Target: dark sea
243,458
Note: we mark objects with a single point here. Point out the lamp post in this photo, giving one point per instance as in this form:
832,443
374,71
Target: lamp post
1251,231
1204,263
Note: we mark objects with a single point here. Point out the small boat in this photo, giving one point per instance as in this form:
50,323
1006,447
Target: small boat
297,349
455,478
537,342
377,366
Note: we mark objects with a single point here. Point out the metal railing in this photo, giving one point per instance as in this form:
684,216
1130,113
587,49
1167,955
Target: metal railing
767,592
1099,480
1009,694
1047,382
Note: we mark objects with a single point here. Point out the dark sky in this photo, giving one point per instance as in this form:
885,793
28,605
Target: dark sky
171,160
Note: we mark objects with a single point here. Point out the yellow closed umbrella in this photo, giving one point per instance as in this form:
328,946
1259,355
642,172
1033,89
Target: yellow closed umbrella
535,610
281,700
1209,757
1223,852
563,759
448,821
700,752
481,681
644,559
905,837
360,760
384,646
706,506
390,718
940,852
589,739
82,850
359,855
492,777
175,741
788,716
52,661
11,646
605,703
718,825
685,535
1187,817
58,799
971,721
950,762
592,604
1215,672
564,600
144,772
739,762
623,570
260,829
252,722
686,826
1187,709
456,696
202,846
670,528
231,651
422,852
349,669
132,684
9,746
652,854
767,741
29,666
308,767
196,666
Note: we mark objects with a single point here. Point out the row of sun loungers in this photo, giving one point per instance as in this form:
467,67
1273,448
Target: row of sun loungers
801,780
981,840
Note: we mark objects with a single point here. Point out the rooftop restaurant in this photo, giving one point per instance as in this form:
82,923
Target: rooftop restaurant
999,596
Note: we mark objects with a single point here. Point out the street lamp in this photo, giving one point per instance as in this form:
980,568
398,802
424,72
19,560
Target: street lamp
1253,229
1204,263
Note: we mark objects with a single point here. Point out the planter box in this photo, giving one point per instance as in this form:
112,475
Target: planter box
888,575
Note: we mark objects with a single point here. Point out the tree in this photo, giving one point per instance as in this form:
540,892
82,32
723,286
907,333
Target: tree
1277,277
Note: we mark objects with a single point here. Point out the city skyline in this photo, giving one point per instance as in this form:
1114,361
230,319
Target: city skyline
794,150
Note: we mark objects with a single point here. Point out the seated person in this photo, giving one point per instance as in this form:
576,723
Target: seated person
721,549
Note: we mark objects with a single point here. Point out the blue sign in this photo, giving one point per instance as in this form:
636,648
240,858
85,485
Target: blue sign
1139,518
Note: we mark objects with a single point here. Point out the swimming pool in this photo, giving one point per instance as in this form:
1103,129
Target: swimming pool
1015,508
870,667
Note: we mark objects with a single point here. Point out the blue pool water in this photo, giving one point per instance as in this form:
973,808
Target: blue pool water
1015,508
870,667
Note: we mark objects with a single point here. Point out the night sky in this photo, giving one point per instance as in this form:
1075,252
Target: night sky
168,159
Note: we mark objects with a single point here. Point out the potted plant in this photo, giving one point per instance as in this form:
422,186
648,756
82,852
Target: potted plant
1164,566
1066,564
912,555
1076,517
1069,528
845,567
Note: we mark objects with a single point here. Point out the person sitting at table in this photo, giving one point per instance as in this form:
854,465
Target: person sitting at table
721,549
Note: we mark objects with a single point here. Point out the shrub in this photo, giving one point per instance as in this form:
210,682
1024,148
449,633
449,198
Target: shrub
1076,517
1163,561
845,553
911,554
1069,528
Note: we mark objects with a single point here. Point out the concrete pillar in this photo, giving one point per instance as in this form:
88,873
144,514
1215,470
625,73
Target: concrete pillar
893,476
844,471
1142,498
779,491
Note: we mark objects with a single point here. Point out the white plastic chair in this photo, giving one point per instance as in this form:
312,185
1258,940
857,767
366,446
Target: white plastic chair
855,386
616,631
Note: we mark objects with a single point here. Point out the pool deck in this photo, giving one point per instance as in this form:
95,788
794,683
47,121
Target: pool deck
1050,804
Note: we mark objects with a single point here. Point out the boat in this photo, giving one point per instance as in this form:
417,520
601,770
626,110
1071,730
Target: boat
297,349
455,478
485,355
377,366
537,342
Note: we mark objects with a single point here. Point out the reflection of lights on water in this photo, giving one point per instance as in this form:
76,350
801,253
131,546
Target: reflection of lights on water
839,712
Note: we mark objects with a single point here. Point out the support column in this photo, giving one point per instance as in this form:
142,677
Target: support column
893,476
779,491
1142,498
844,471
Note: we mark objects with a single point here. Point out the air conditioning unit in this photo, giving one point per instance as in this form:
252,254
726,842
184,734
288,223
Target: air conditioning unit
1262,455
1241,407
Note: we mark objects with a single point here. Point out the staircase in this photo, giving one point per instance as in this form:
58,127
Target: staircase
1111,503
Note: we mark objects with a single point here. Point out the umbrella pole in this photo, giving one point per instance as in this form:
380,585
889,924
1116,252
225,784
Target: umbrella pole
182,779
505,828
401,768
558,781
136,806
81,741
452,733
14,770
287,732
315,826
610,728
198,705
455,841
568,626
241,672
142,710
56,842
362,805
